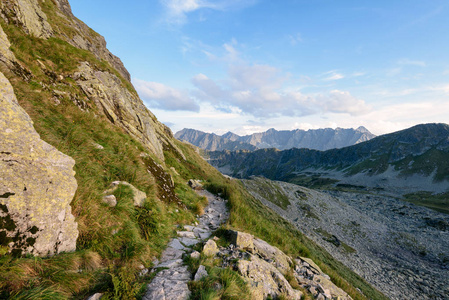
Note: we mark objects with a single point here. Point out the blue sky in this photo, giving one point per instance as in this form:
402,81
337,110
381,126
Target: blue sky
250,65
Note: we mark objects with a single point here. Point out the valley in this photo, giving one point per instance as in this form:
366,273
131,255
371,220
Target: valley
398,247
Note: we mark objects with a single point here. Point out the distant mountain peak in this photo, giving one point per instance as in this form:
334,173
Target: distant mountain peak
318,139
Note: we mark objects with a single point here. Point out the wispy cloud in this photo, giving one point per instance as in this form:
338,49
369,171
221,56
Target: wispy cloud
409,62
177,10
295,38
158,95
333,75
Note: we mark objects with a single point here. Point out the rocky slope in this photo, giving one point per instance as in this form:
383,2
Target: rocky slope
410,160
398,247
318,139
106,86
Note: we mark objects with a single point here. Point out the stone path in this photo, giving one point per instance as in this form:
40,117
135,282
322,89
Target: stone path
171,283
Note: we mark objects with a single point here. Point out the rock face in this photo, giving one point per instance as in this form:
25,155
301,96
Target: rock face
28,15
36,187
319,139
120,106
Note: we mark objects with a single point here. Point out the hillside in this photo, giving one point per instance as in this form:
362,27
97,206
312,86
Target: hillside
385,240
402,162
93,185
318,139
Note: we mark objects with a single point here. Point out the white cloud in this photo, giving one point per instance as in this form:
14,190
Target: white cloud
417,63
178,10
160,96
258,90
343,102
333,75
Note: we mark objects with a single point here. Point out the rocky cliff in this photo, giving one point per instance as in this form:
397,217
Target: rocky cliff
318,139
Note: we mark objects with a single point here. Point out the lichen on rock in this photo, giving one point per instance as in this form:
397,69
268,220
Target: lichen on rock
37,184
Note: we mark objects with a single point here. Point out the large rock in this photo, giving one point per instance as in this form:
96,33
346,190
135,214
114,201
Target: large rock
27,14
265,280
257,246
281,261
37,184
242,240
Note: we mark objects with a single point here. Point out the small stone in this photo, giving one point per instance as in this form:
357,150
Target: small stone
110,200
188,241
187,234
195,184
210,248
195,255
321,297
204,235
96,296
200,273
98,146
188,227
176,244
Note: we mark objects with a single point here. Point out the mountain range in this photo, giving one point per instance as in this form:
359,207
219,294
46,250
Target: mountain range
318,139
414,159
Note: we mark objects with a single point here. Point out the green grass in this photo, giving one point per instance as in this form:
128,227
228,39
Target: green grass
113,241
438,202
271,191
312,181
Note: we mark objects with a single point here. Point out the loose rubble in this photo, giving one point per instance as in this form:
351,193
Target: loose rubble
398,247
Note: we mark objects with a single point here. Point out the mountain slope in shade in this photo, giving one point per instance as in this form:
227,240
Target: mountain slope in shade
319,139
409,160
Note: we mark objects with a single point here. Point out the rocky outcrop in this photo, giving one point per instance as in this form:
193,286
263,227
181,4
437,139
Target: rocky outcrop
28,15
85,38
36,187
124,108
264,267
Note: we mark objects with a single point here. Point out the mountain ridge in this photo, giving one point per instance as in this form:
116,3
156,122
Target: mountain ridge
416,151
319,139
